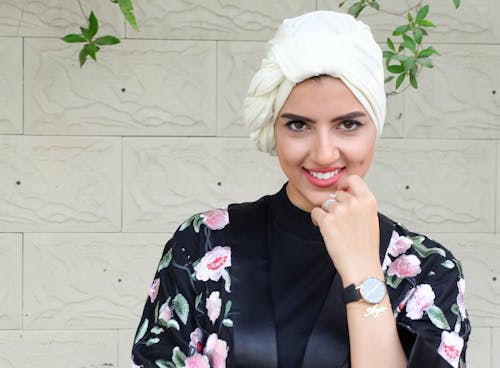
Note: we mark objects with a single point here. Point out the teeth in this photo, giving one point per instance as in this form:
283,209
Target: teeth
324,175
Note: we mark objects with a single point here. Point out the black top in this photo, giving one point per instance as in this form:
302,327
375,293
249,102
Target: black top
301,274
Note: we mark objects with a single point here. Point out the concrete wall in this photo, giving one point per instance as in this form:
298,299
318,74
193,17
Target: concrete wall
99,165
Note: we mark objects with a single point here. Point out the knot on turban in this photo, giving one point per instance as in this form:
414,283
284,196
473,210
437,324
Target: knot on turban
313,44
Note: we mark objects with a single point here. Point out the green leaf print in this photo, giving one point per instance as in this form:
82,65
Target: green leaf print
198,220
459,267
227,280
229,304
197,303
186,223
417,239
160,363
393,281
165,261
438,318
448,264
425,252
142,331
152,341
181,307
227,322
157,330
178,357
173,324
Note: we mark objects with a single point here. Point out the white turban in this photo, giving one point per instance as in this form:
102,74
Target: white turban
313,44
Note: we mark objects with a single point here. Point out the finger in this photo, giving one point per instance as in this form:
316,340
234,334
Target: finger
353,184
318,215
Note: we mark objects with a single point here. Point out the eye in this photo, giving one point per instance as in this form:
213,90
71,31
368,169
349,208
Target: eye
350,125
296,125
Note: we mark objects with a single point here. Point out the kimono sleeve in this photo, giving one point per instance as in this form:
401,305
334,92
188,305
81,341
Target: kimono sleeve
181,321
432,321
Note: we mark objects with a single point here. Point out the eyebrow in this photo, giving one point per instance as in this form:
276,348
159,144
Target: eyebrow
350,115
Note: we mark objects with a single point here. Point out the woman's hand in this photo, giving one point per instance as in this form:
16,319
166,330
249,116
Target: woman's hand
349,226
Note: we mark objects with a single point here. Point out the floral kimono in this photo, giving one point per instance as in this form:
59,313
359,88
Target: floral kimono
211,302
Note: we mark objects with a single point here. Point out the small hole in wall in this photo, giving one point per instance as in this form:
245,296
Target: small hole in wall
119,280
407,187
494,92
18,182
219,183
494,278
124,90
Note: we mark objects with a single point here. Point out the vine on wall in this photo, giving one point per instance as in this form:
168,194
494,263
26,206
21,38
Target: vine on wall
405,56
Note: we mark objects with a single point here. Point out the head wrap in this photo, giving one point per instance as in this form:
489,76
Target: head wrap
313,44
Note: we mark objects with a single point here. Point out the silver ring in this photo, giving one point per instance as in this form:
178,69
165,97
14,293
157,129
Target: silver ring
328,202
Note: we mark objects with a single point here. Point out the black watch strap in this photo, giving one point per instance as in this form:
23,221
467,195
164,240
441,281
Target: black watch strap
351,294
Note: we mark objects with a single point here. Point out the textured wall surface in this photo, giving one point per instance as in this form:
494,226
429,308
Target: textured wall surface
99,165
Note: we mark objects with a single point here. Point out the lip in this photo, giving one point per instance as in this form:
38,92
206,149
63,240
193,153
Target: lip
323,183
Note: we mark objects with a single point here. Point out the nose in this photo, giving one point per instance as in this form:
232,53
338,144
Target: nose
325,150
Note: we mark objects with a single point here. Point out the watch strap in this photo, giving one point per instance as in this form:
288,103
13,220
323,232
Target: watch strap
351,294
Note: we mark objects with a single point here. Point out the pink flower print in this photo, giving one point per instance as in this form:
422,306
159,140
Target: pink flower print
460,298
195,339
214,304
213,263
398,244
420,301
153,290
216,219
405,266
216,350
451,347
197,361
165,313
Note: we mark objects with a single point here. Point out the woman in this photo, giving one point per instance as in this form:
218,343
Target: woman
296,279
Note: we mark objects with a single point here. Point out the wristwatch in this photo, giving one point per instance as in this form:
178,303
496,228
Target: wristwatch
371,290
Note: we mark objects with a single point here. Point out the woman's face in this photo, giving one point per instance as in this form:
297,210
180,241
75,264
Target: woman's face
322,134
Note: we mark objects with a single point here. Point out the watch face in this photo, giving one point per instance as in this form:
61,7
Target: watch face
373,290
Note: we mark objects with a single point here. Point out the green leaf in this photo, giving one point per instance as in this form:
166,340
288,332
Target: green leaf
107,40
413,81
152,341
459,268
226,322
401,57
409,63
341,4
85,33
165,260
73,38
388,79
393,281
375,5
92,49
172,323
418,34
419,239
400,80
396,69
178,357
437,317
181,307
141,331
228,308
93,25
425,252
426,23
410,18
401,30
160,363
157,330
198,220
427,52
82,56
197,303
425,62
128,12
390,44
409,43
422,13
356,9
227,280
448,264
455,309
457,3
